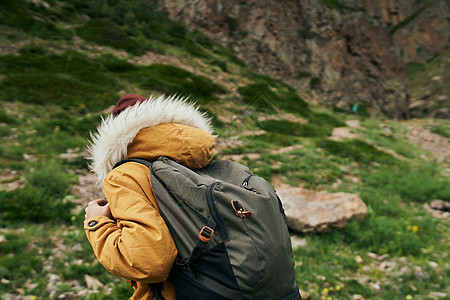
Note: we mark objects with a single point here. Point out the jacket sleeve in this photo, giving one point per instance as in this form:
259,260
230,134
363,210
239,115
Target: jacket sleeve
138,246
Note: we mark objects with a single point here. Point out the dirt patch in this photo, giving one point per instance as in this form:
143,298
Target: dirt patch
283,116
340,133
86,190
437,145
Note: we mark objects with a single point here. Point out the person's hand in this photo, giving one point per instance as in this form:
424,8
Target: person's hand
97,208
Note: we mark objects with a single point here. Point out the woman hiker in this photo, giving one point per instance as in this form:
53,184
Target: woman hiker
126,231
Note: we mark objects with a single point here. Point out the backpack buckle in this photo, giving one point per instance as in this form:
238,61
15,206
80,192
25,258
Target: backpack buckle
206,234
240,209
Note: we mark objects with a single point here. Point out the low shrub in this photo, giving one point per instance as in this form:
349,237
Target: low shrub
442,129
6,118
106,32
37,24
41,199
296,129
168,79
358,151
421,185
48,78
269,95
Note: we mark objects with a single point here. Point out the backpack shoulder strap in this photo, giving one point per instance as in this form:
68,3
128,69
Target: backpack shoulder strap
138,160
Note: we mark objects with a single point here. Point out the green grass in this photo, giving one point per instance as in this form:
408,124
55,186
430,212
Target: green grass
442,128
57,79
39,23
106,32
357,150
41,199
269,96
172,80
420,185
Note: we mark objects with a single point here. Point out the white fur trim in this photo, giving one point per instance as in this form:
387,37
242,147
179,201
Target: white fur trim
109,145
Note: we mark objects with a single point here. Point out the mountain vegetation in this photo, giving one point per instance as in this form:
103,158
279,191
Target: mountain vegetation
63,64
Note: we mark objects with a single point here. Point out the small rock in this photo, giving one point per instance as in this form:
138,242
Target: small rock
245,112
435,295
77,248
345,169
53,278
321,277
436,78
375,286
383,257
440,205
2,239
298,242
336,184
426,95
305,295
357,297
387,129
4,281
69,157
92,283
421,275
359,259
434,266
109,109
416,104
442,98
377,257
29,157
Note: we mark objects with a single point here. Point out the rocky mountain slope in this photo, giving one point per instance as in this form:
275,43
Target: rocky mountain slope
335,52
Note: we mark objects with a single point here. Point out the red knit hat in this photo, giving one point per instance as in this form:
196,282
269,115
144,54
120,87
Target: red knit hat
126,101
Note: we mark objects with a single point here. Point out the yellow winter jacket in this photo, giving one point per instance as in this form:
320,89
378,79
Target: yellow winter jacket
137,245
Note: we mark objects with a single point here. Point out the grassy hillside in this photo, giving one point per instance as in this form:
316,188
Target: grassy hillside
64,63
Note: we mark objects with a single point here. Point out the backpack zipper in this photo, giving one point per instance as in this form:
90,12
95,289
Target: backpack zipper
248,188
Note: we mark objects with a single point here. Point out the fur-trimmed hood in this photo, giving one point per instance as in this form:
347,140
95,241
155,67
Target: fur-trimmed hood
110,143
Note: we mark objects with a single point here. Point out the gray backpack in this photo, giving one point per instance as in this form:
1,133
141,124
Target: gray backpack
230,231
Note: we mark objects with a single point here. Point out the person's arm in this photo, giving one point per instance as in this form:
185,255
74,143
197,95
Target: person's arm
138,246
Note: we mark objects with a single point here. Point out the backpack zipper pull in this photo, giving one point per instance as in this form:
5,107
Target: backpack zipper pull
163,159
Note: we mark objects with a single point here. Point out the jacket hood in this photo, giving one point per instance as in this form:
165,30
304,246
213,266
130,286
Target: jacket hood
114,135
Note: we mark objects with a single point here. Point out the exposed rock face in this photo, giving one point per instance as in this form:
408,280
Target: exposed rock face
339,56
309,211
422,27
